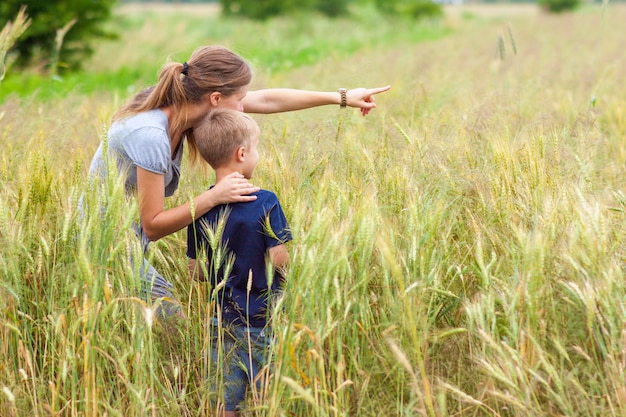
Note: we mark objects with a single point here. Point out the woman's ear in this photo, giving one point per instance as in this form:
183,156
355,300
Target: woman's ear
215,98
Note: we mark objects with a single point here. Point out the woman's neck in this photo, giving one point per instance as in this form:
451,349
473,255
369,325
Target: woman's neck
190,116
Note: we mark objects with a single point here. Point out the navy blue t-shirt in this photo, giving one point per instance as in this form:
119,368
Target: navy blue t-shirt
246,237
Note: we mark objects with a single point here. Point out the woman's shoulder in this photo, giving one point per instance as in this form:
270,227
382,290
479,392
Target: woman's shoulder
148,119
149,126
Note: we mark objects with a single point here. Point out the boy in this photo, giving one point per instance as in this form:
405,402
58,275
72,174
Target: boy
250,233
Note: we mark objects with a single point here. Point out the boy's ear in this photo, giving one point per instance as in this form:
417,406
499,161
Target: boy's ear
215,98
241,153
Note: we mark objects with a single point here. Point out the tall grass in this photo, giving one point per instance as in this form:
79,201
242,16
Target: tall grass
11,31
458,252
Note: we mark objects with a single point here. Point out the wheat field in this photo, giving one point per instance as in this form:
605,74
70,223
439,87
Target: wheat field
458,252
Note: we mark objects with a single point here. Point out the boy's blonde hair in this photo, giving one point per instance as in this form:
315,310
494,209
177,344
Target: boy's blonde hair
221,132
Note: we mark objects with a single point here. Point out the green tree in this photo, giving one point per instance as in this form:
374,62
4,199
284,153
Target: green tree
410,8
332,8
257,10
559,6
61,31
260,10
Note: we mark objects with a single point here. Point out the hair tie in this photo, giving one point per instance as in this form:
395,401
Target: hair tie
185,68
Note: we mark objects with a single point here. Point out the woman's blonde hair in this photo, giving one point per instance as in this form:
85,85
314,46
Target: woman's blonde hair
209,69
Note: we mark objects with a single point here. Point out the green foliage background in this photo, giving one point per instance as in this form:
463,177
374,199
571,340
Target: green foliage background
288,42
559,6
458,252
38,44
331,8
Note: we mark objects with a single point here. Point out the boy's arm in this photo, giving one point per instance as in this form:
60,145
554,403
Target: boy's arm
279,256
195,270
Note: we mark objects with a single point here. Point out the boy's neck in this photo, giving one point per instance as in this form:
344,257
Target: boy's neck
221,172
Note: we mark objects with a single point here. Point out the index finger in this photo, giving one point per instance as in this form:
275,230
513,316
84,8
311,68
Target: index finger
379,89
245,198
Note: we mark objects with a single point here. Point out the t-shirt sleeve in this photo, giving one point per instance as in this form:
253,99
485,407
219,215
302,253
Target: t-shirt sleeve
277,231
149,148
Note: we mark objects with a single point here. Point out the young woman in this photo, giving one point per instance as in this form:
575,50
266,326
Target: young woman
147,136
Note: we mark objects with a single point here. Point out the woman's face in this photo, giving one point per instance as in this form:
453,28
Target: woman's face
234,101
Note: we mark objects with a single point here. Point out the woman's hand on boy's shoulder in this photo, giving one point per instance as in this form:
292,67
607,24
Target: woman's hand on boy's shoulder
234,188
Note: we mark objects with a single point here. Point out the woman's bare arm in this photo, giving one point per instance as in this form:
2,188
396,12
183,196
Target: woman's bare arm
276,100
158,222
